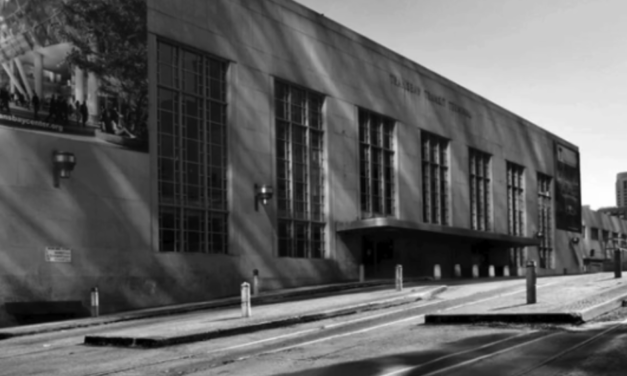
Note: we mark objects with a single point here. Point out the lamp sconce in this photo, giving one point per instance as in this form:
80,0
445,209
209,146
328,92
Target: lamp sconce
63,163
539,235
574,240
263,193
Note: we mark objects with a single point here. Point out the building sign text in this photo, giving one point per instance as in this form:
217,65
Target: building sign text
432,98
58,254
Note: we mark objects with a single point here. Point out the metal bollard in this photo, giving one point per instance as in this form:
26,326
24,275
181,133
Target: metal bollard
437,272
362,273
458,271
618,264
95,302
246,311
491,272
399,277
475,271
506,271
531,282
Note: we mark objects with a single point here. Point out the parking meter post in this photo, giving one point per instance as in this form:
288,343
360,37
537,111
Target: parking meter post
618,264
95,302
399,277
531,282
246,311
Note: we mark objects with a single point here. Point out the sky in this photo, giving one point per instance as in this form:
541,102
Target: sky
561,64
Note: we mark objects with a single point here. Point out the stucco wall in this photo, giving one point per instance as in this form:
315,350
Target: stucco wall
101,213
279,38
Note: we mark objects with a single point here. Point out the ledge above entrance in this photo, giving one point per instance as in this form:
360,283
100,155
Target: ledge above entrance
373,226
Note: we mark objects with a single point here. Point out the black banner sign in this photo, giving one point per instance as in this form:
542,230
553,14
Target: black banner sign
567,189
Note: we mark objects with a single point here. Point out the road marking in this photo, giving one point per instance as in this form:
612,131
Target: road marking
341,335
419,318
343,323
406,369
494,297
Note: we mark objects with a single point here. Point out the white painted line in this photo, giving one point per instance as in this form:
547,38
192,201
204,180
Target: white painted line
493,297
342,335
420,318
343,323
248,344
406,369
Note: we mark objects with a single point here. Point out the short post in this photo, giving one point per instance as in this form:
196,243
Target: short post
399,277
491,271
255,282
475,271
95,302
246,300
362,273
506,271
458,271
531,282
618,264
437,272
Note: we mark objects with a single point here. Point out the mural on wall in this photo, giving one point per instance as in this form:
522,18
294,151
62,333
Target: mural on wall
567,189
84,72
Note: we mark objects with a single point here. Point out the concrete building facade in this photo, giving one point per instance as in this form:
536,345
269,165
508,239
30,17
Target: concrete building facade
370,158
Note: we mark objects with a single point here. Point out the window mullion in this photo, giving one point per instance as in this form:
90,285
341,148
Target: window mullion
180,161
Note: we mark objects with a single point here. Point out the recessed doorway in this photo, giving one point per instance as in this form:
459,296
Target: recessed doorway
378,257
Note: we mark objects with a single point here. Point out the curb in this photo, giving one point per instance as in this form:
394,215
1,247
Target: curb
510,318
573,318
158,341
603,308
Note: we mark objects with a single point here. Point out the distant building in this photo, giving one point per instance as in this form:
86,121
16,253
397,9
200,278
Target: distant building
598,228
621,189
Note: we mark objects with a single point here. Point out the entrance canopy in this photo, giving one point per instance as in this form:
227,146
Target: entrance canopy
373,226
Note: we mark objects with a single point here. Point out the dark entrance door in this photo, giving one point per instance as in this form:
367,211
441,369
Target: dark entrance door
378,257
481,257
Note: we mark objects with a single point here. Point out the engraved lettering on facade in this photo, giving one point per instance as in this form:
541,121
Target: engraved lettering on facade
404,84
459,109
441,101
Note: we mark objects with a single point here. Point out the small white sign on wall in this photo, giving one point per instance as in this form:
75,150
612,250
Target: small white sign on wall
58,254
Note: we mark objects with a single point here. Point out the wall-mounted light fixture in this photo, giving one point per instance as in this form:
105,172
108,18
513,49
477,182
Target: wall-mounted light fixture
263,193
574,240
63,163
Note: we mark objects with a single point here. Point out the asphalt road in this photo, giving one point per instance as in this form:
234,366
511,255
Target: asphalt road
409,349
383,343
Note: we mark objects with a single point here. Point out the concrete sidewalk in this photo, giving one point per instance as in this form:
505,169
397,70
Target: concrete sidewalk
264,298
199,326
566,300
